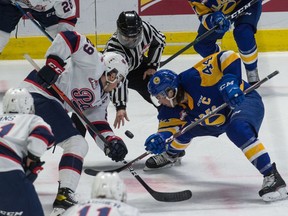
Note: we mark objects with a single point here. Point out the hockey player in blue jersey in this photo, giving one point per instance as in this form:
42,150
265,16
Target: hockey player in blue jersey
213,12
193,93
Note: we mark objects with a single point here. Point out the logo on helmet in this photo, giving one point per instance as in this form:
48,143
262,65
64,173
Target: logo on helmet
156,80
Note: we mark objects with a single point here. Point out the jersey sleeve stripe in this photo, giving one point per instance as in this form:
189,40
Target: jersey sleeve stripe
42,133
7,152
72,39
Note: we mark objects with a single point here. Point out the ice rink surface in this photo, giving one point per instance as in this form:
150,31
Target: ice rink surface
222,180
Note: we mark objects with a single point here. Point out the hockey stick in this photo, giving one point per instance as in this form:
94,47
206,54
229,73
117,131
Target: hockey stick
160,196
234,15
94,172
74,117
189,127
214,111
67,100
42,29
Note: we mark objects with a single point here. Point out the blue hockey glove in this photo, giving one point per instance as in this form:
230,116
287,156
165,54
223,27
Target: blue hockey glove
49,73
155,143
218,18
116,148
229,88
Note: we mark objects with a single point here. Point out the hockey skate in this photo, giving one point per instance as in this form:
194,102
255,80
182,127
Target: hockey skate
252,76
161,161
65,199
273,187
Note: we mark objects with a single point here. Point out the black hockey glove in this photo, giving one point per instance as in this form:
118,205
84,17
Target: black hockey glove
116,148
49,73
33,169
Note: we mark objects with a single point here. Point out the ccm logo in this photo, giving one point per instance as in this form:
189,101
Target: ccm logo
223,86
55,68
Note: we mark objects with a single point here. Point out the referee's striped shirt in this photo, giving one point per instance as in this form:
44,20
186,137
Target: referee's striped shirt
153,42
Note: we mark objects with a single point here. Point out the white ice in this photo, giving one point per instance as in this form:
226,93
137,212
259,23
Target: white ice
222,180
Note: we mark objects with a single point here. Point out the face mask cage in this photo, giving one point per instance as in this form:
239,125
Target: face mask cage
130,42
169,94
119,78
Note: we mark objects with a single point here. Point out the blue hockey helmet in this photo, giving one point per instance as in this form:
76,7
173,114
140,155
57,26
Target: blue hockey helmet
163,81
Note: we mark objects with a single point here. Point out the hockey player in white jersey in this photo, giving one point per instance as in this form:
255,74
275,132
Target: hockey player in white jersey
53,15
108,197
87,83
24,137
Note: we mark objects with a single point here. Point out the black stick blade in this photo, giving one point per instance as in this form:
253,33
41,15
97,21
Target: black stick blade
163,196
91,172
172,196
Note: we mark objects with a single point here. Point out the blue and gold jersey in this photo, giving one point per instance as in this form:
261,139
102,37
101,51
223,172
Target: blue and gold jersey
200,84
202,7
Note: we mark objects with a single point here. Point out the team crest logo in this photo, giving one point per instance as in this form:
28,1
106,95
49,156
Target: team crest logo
156,80
93,83
226,6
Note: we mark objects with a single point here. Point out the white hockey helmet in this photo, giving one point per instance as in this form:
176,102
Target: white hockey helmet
115,62
110,186
18,100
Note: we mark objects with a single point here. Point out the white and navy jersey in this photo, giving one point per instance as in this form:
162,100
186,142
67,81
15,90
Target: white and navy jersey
64,9
20,134
102,207
152,46
80,81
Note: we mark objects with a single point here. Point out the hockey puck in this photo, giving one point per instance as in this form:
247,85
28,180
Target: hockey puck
129,134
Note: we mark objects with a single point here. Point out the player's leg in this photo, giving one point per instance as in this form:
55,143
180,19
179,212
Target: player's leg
9,16
245,28
74,146
243,132
18,195
48,20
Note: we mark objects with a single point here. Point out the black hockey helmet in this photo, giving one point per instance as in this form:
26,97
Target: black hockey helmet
129,29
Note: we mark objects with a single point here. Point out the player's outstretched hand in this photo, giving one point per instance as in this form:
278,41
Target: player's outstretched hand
116,148
229,88
49,73
155,143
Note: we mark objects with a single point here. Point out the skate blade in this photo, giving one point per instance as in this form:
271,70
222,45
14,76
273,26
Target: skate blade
57,212
280,194
177,163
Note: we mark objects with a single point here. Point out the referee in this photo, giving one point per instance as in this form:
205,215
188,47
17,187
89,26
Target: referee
142,45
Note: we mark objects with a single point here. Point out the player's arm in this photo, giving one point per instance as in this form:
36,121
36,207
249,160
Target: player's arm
66,11
230,63
156,47
231,84
199,8
156,143
116,148
210,18
66,44
40,140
